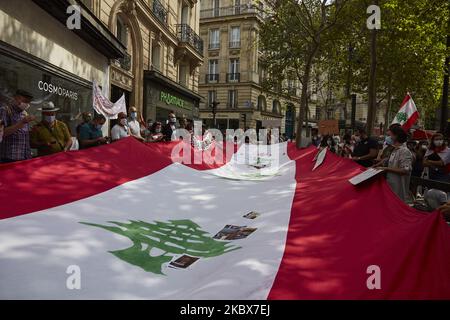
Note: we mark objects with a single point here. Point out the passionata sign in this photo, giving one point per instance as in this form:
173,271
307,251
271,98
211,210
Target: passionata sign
55,89
172,100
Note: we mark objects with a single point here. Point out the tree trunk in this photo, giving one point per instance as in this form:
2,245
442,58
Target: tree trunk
372,81
304,97
303,104
388,107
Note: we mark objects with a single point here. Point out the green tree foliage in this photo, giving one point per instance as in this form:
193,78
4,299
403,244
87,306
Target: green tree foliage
410,47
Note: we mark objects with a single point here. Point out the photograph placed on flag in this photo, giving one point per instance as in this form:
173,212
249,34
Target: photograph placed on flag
252,215
230,232
184,261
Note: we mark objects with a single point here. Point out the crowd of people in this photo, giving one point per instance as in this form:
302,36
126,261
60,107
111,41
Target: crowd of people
399,157
21,132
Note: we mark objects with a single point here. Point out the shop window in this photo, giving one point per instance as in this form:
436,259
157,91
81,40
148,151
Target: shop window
72,97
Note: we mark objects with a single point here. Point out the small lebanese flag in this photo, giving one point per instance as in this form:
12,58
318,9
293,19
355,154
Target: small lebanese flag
408,114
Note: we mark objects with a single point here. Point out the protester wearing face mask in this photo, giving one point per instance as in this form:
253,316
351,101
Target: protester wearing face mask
388,147
316,137
91,134
50,135
399,165
346,147
86,117
155,133
328,142
366,148
437,159
121,129
170,127
15,145
134,125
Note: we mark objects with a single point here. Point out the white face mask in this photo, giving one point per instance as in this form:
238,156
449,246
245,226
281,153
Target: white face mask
123,121
438,143
357,139
50,119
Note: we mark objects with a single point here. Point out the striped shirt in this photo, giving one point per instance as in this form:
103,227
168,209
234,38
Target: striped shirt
17,145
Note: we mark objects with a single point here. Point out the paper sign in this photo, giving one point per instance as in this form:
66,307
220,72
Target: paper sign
320,158
364,176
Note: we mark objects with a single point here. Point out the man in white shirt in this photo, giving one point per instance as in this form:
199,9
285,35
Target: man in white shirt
121,129
134,125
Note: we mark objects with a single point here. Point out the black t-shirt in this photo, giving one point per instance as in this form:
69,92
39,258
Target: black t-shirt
363,149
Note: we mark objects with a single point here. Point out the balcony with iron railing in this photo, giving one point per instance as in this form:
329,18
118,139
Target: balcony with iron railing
159,11
230,11
233,77
214,46
212,78
187,35
235,44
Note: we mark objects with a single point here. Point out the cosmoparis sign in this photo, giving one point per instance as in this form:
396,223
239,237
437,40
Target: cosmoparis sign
54,89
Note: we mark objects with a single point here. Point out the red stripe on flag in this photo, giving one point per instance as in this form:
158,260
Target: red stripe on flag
405,101
337,231
411,121
47,182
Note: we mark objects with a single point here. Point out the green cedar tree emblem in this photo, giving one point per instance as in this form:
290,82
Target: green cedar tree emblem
401,117
175,237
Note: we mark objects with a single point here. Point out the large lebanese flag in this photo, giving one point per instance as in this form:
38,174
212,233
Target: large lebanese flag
408,114
125,214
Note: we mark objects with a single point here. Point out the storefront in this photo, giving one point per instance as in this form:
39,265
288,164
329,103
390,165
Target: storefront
39,54
162,95
73,95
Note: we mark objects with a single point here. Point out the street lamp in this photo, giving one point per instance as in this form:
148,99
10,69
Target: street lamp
213,106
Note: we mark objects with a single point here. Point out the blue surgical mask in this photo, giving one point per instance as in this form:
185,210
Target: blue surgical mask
133,115
389,141
99,126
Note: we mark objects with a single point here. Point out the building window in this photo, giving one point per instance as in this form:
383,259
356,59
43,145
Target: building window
122,34
185,15
232,99
235,37
88,4
216,8
183,73
213,71
233,74
212,97
214,39
156,57
276,106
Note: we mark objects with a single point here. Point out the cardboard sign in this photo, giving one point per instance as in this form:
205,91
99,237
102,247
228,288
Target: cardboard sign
328,127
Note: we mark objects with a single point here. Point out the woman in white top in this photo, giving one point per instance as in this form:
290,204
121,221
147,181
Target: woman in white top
121,129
